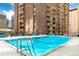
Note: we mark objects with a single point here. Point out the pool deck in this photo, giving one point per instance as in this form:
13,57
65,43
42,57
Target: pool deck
6,50
70,49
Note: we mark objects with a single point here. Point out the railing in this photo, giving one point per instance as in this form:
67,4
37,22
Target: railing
26,49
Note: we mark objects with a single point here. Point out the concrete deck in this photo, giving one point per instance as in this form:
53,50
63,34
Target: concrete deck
6,50
70,49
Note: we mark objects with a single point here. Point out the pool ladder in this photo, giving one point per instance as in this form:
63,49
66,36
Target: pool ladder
28,49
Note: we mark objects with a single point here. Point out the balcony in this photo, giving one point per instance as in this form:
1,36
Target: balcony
48,19
48,14
66,5
21,17
34,9
48,24
21,20
21,11
21,23
21,27
48,6
48,10
34,14
20,4
21,8
50,29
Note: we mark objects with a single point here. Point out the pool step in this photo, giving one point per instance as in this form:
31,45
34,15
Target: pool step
27,50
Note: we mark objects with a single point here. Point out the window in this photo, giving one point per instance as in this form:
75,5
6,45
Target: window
49,32
1,16
62,18
48,27
48,10
34,14
21,27
53,22
54,10
21,14
48,16
62,28
53,19
62,25
53,27
34,8
34,26
21,23
33,20
53,31
48,21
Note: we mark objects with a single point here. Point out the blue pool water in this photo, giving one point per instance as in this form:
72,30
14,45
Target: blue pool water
41,45
2,35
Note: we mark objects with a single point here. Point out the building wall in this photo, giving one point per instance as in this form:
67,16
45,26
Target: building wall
28,18
66,16
20,18
73,14
42,18
15,20
52,18
78,21
3,21
58,18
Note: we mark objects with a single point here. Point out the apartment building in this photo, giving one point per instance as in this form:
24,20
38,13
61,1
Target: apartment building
3,21
58,18
41,18
74,21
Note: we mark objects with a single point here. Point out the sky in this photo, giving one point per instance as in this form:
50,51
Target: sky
73,5
8,8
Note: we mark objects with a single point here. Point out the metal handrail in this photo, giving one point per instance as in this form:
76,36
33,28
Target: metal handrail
21,46
33,47
28,47
18,46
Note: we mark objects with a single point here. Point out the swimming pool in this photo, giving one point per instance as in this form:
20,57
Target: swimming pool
2,34
41,45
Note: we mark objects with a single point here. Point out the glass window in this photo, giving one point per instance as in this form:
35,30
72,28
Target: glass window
53,19
53,22
53,31
54,10
53,27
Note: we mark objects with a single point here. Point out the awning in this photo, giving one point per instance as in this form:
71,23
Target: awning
6,30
